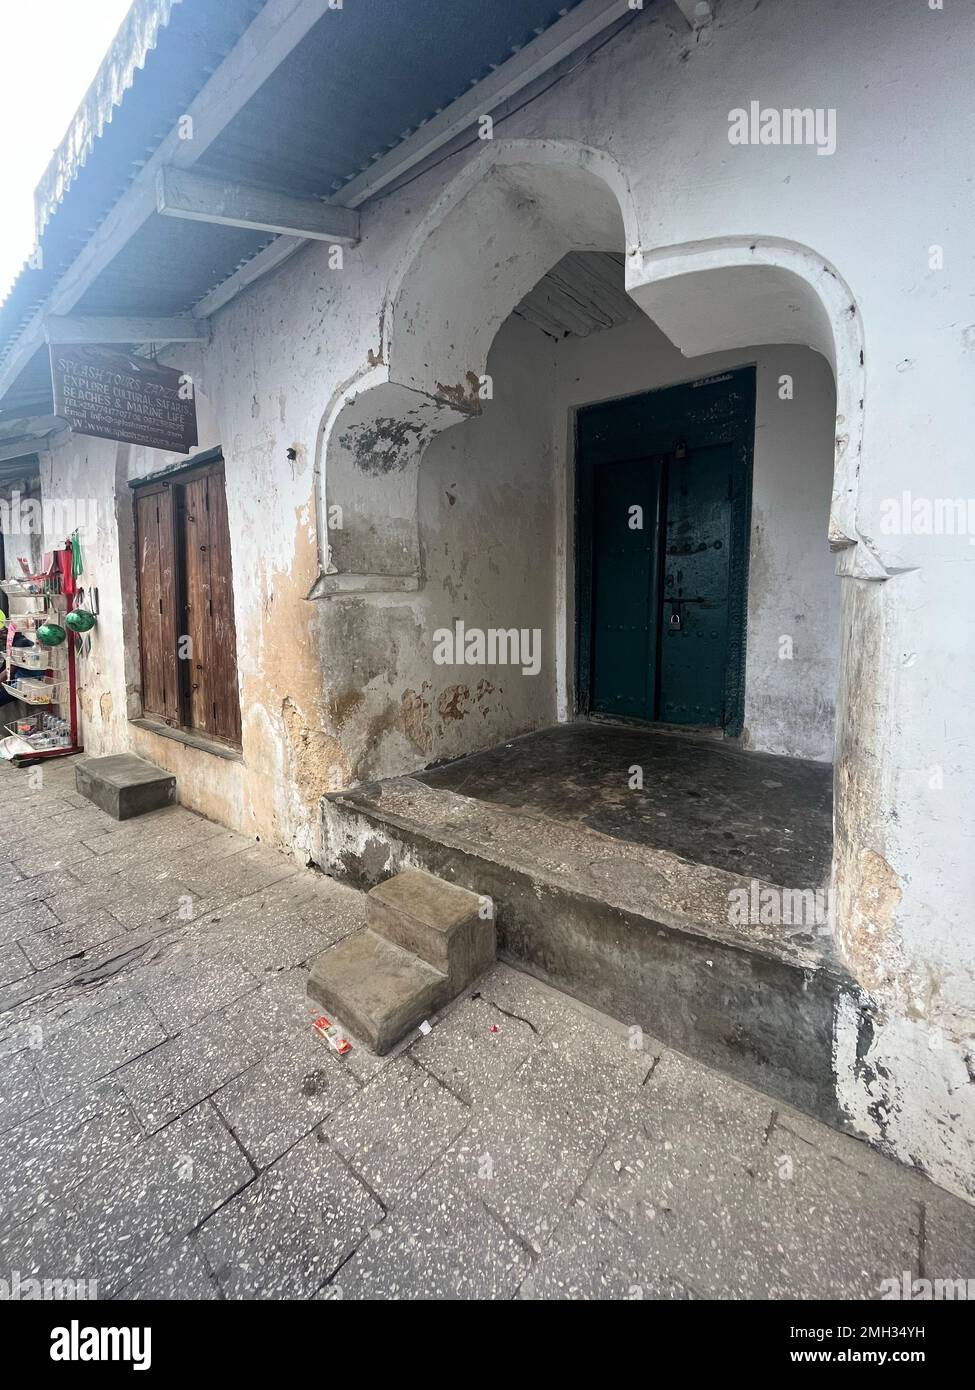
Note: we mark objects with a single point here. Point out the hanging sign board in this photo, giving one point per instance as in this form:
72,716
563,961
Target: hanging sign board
113,395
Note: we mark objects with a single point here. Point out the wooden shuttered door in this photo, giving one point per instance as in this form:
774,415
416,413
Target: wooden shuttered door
157,603
223,629
204,640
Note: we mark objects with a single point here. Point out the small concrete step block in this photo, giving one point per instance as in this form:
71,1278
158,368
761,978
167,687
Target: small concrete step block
378,991
435,920
124,785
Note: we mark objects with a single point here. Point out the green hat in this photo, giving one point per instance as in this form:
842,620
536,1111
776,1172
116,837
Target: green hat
80,620
51,634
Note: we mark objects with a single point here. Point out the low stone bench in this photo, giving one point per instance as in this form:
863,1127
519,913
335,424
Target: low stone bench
124,786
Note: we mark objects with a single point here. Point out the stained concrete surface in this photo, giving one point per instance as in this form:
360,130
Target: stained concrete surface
682,948
171,1126
755,814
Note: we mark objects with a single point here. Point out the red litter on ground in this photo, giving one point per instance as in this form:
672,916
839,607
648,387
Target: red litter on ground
331,1034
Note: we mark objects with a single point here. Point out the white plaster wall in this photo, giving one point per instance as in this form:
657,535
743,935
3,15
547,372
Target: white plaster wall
658,101
487,531
491,492
81,472
793,591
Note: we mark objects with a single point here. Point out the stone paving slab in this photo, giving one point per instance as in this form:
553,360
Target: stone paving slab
171,1125
285,1096
180,996
591,1258
172,1078
166,1186
441,1243
46,1157
513,993
9,874
284,925
167,1080
178,1273
24,919
69,1059
169,828
41,886
14,965
20,1090
948,1247
242,872
479,1053
395,1129
292,1228
525,1158
732,1208
67,940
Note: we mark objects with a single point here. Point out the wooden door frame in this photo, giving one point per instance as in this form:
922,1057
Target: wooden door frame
723,413
211,462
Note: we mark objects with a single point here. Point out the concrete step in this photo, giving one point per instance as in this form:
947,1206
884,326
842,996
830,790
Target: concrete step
442,924
376,989
638,932
124,785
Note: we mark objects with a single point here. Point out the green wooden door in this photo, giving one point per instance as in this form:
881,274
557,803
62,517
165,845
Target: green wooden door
626,530
697,581
664,483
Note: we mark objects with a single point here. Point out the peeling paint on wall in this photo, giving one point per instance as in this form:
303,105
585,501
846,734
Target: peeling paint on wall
317,761
383,447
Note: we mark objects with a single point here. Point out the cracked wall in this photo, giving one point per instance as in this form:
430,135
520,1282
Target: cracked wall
303,341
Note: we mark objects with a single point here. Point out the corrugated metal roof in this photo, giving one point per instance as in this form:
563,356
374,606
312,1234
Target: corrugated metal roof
194,42
137,37
362,78
23,467
367,76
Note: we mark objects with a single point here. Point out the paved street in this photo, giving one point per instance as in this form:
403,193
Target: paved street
171,1125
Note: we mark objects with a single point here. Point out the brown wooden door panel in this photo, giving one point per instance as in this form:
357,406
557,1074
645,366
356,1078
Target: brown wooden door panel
188,638
223,630
157,609
195,544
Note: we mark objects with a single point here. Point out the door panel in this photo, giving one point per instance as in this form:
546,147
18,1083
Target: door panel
155,559
665,640
197,665
223,632
625,586
694,620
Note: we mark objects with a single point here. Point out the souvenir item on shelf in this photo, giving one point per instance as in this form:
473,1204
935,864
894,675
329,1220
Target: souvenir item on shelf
39,659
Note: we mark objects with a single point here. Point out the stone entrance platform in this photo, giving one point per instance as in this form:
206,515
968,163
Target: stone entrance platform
662,905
